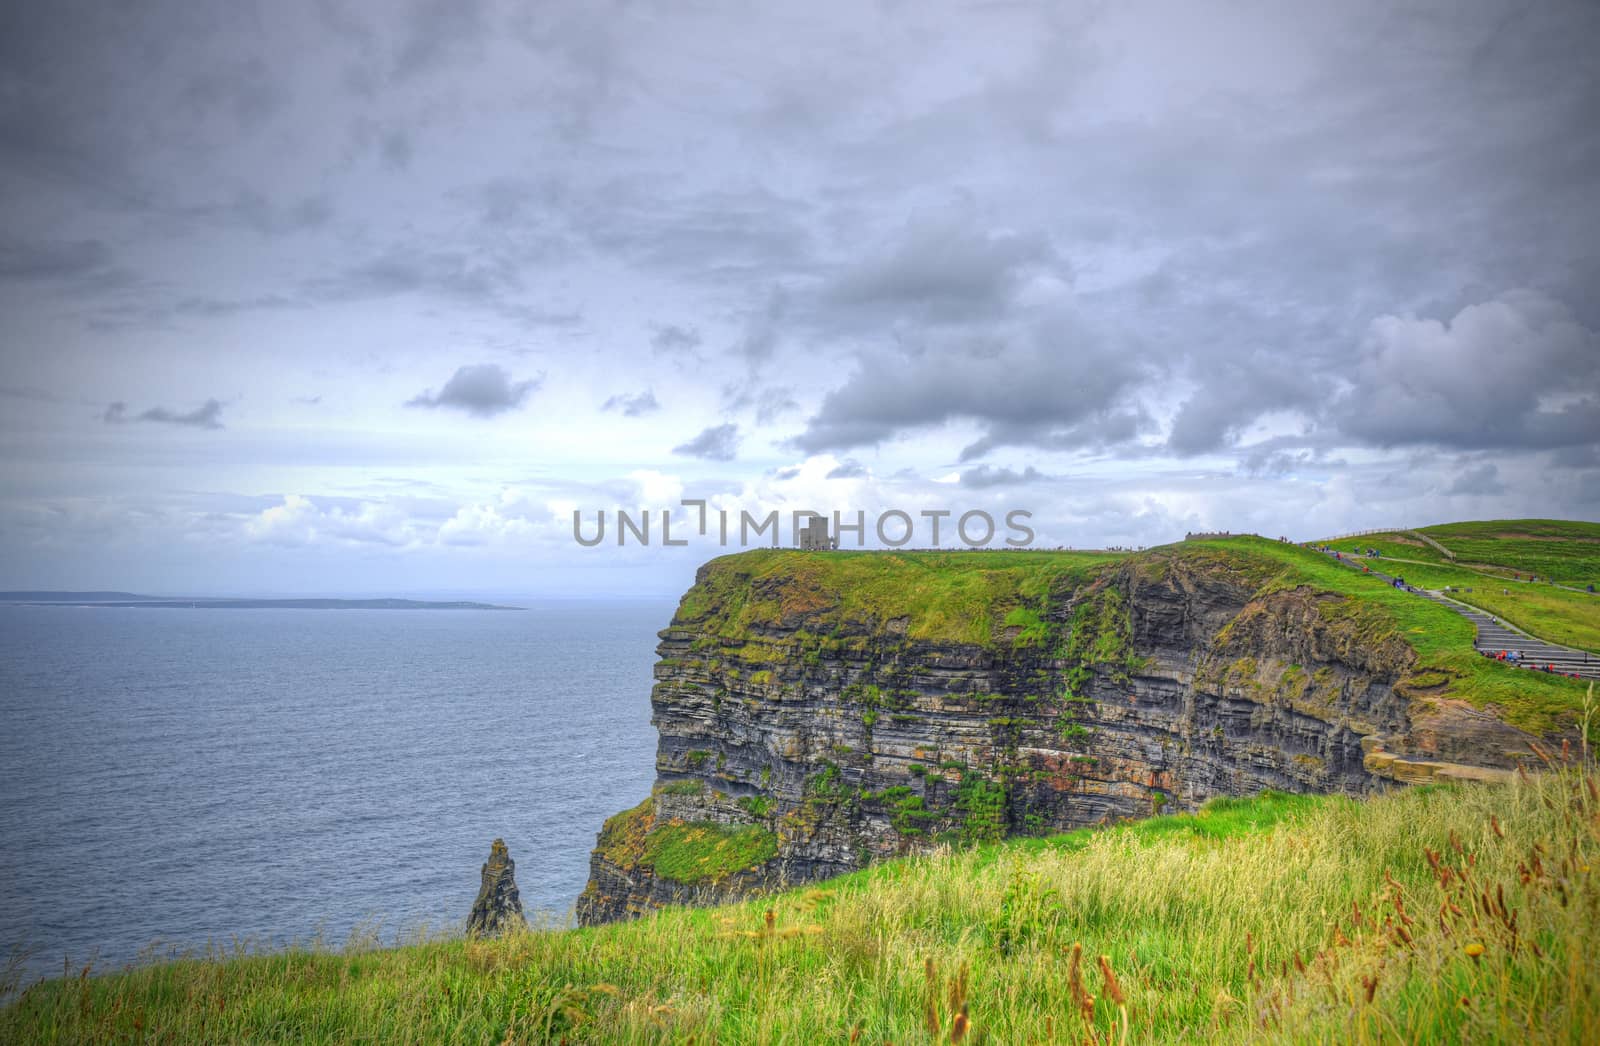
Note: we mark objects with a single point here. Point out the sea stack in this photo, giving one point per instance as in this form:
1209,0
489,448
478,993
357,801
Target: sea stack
498,907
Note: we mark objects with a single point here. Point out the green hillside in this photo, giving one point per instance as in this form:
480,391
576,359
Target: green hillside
1565,551
1429,915
1489,558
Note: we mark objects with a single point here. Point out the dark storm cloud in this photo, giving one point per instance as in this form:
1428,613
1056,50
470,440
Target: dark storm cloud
482,390
1237,389
717,443
984,477
1057,384
945,264
636,405
206,416
1518,372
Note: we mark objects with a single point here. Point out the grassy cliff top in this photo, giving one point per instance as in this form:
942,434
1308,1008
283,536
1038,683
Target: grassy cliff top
1269,919
1564,551
972,598
958,597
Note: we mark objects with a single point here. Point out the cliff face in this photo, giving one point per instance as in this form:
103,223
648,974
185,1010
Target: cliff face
824,716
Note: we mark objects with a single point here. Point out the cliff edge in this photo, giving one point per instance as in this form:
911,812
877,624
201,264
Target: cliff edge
819,710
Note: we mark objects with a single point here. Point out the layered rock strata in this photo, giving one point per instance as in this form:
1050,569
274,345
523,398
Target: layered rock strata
844,729
498,907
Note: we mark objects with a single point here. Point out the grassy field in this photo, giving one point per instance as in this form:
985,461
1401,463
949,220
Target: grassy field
1544,610
1428,915
1442,638
1564,551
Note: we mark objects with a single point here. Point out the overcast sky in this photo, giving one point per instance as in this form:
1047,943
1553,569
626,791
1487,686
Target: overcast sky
367,298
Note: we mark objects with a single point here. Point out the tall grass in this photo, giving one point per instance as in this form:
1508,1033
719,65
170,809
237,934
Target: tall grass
1441,914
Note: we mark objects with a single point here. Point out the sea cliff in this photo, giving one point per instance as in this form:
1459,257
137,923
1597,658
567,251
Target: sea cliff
819,710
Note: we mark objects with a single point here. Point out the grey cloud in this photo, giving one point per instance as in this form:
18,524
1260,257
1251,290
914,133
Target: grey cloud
482,390
438,32
762,332
750,238
395,148
206,416
770,403
268,217
1274,462
397,271
1578,457
1515,372
984,477
849,468
944,265
633,406
717,443
671,339
1057,384
1237,389
246,90
29,392
1481,479
85,263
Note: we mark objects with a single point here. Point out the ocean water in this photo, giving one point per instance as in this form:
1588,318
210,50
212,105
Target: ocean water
181,778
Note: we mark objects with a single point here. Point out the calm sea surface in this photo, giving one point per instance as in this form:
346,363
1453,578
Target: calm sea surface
195,776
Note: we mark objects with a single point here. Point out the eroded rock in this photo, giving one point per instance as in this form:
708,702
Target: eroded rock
499,906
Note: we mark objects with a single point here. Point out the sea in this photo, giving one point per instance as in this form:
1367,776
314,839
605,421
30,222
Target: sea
191,780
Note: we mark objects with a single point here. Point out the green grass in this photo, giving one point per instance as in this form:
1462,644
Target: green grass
1274,919
1442,638
701,853
955,597
691,853
993,598
1565,551
1555,614
1550,612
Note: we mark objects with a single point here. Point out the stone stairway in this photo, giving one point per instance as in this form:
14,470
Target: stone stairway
1495,635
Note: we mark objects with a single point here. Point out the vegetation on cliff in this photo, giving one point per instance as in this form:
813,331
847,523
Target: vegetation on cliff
953,597
840,707
1448,667
1460,913
1493,564
685,852
1005,598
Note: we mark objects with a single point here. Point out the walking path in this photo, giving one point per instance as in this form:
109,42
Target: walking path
1495,635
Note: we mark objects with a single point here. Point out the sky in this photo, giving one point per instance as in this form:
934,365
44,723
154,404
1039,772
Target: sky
369,298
